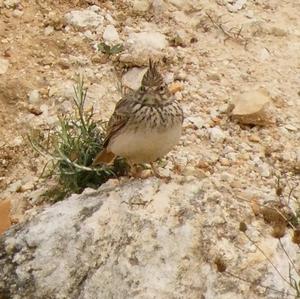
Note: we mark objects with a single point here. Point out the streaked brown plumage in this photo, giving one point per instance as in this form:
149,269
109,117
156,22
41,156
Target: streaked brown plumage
145,125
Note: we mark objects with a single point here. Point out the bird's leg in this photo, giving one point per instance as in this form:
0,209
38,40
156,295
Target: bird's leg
135,170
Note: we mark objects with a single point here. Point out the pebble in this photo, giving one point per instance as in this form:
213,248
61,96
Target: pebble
27,186
216,134
264,54
254,138
11,3
3,66
213,77
48,30
110,34
141,5
15,187
148,40
264,170
291,128
198,121
84,18
17,141
169,77
226,177
239,4
33,96
224,162
17,13
191,171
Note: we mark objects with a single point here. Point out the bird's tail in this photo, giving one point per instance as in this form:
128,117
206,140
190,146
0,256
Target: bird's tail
104,157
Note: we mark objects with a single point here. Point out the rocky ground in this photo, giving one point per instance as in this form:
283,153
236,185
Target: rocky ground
233,65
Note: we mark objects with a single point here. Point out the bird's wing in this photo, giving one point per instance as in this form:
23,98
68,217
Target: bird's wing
118,119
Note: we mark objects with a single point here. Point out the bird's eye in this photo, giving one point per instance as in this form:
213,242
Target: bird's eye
161,88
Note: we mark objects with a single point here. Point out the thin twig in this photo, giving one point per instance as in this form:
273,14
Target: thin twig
289,258
261,285
268,259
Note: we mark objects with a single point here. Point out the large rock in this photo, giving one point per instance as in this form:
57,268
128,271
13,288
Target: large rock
144,45
138,239
253,108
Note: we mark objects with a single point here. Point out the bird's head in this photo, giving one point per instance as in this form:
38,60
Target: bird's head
153,90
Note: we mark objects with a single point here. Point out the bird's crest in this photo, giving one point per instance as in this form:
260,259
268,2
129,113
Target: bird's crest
152,77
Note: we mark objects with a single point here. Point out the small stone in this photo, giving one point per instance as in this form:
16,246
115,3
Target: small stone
88,34
34,96
11,3
190,171
264,170
253,107
27,186
224,162
48,30
254,138
291,128
141,5
238,4
55,20
3,66
15,187
216,134
99,58
84,18
17,141
146,40
249,14
168,77
17,13
35,110
198,121
133,78
110,34
226,177
213,77
10,245
264,54
203,165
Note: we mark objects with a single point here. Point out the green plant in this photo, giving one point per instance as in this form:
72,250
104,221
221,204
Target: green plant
110,50
71,148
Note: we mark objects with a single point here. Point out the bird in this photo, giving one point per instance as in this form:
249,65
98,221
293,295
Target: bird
145,125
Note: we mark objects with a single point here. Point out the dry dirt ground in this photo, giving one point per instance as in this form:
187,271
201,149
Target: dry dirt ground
214,67
210,56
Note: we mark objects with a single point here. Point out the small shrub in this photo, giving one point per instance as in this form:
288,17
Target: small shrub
71,148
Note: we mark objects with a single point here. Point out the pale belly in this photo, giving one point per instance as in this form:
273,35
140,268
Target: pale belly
145,146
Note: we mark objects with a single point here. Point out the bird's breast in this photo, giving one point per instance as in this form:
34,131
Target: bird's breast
145,144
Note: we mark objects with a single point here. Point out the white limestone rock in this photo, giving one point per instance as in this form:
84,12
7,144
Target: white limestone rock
88,18
4,64
253,107
110,35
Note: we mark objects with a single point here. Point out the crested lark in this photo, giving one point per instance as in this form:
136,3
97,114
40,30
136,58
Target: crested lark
145,125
